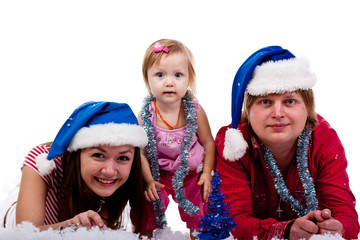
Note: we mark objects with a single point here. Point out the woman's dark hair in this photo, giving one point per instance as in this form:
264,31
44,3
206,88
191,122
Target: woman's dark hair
74,202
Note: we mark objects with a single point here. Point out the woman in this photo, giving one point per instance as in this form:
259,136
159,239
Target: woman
88,175
283,168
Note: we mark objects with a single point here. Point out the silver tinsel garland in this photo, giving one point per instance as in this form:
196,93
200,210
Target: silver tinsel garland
182,171
305,177
151,150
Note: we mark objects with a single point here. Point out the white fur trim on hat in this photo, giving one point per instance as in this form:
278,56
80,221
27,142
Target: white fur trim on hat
43,165
281,76
112,134
235,145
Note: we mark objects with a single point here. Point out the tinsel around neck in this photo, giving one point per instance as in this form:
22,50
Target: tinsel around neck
305,177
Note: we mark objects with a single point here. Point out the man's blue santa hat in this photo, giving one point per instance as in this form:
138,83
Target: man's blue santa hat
269,70
93,124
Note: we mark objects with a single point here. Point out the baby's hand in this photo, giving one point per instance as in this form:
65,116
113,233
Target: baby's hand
150,192
205,180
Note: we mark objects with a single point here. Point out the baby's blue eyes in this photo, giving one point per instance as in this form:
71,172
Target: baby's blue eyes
160,75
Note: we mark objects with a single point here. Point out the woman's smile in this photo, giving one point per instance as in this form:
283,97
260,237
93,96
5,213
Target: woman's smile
106,182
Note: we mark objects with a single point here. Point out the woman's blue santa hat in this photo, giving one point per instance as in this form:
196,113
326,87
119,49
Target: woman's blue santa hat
269,70
93,124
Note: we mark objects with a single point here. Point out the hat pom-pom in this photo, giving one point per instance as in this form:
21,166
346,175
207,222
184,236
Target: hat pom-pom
44,165
235,145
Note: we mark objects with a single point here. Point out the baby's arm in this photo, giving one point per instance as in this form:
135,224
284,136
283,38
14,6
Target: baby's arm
207,141
151,184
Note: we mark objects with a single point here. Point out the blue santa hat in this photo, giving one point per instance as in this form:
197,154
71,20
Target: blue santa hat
269,70
93,124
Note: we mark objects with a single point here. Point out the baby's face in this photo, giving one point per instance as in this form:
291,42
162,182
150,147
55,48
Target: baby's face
169,79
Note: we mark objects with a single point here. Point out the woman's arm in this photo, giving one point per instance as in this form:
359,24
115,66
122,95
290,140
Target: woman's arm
207,141
31,204
31,200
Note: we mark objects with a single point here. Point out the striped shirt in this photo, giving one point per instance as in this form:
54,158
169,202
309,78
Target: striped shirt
53,180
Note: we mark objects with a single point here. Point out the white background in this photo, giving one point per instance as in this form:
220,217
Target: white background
55,55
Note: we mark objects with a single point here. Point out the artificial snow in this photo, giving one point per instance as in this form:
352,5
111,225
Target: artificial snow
27,231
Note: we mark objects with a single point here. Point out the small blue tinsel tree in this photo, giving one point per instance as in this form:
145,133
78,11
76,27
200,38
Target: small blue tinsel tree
217,223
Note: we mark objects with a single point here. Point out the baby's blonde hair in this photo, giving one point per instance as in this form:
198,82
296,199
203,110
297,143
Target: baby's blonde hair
174,46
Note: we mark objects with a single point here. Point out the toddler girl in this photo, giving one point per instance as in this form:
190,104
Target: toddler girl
180,154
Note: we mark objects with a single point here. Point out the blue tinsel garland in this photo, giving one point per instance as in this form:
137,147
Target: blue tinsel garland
182,171
305,177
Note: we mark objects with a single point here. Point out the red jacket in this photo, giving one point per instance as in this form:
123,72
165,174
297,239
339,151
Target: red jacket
252,197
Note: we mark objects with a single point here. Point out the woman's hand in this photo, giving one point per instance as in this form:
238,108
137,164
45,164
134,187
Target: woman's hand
150,192
205,180
86,219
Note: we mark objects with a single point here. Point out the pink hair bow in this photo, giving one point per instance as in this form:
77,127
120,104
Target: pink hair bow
159,47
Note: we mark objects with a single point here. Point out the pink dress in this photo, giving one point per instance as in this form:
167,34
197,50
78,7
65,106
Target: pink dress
168,143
